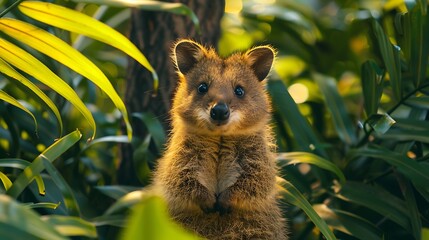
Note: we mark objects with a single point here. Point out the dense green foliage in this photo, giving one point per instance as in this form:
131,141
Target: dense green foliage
350,97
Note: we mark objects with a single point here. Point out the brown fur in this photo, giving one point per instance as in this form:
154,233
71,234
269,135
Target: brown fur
219,178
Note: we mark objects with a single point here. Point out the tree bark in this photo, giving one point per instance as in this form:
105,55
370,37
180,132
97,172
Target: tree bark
154,33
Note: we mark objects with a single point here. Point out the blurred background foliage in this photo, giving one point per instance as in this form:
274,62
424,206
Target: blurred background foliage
350,97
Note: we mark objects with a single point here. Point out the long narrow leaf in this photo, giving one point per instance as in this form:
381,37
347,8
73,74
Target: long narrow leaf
51,153
293,196
11,100
71,226
348,223
80,23
372,86
43,205
390,56
18,221
418,173
62,52
27,63
66,191
304,157
335,104
6,69
6,181
375,198
287,108
22,164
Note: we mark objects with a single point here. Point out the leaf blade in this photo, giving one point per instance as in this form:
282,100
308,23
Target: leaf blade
77,22
29,64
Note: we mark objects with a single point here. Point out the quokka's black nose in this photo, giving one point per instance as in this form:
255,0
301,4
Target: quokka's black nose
219,112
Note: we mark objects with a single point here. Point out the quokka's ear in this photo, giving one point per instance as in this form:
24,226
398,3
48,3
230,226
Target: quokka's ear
261,59
186,54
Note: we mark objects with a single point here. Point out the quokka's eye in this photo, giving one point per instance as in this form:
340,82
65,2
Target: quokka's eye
203,88
239,91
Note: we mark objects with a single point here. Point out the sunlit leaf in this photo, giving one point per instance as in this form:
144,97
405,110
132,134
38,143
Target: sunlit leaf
24,61
43,205
150,5
149,219
348,223
115,139
6,181
293,196
57,49
80,23
335,104
51,153
71,226
292,158
19,221
6,69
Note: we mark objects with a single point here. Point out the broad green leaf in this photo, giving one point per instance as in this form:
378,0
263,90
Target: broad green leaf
71,226
150,5
27,63
348,223
390,55
51,153
66,191
335,104
80,23
417,172
374,198
425,233
372,86
18,221
154,127
11,100
293,196
149,220
22,164
292,158
116,192
6,181
57,49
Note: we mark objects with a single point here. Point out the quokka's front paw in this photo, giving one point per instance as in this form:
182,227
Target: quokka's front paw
206,201
223,202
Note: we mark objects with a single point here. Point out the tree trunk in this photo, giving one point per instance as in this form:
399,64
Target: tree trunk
154,33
